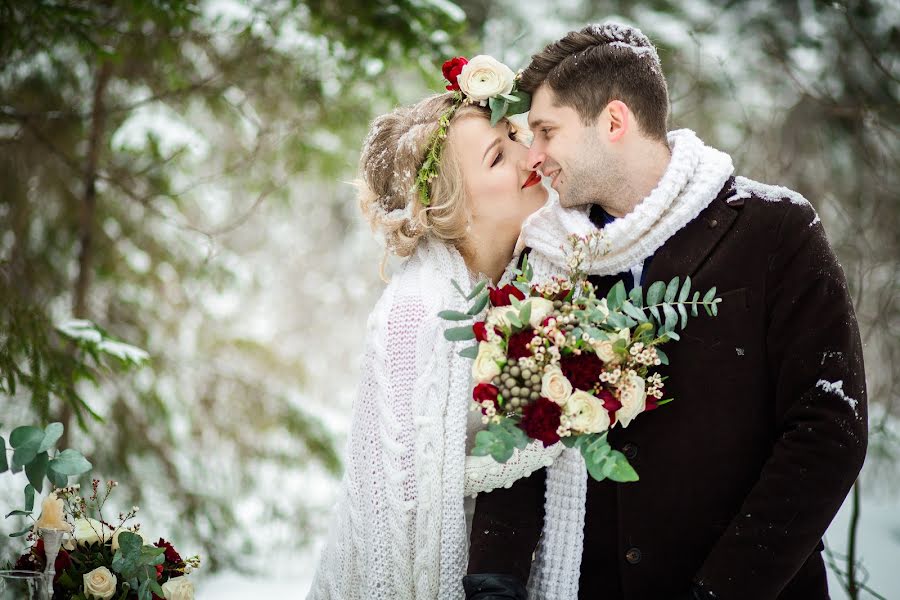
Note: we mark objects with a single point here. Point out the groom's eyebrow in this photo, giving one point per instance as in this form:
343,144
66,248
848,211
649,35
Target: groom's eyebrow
488,149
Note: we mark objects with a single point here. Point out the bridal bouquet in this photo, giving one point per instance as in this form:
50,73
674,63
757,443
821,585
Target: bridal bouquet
99,560
554,362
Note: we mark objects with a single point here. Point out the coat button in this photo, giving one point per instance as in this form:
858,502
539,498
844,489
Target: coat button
633,556
713,223
629,450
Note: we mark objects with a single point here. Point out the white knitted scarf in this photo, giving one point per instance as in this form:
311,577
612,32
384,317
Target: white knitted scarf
399,529
691,182
695,175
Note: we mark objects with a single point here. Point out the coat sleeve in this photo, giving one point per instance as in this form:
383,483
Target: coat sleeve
815,364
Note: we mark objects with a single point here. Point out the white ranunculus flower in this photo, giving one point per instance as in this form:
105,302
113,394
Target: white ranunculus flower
633,396
555,386
541,308
485,77
90,531
100,583
586,413
179,588
115,537
485,367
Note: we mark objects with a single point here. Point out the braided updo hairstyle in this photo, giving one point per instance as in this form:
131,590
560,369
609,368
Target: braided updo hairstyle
589,68
391,157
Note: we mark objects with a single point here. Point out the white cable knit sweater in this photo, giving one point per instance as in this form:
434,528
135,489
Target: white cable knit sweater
691,182
399,529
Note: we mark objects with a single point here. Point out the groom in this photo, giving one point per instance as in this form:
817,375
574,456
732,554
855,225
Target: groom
742,474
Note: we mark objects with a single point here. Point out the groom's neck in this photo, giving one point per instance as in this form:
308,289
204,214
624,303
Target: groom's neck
644,165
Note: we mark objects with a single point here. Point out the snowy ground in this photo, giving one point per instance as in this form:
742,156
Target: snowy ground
879,544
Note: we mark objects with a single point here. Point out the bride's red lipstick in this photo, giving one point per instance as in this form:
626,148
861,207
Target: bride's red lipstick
533,179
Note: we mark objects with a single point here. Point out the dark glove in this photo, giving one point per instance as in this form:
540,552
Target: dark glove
493,586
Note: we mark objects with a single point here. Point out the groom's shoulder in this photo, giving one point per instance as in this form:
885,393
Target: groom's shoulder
769,205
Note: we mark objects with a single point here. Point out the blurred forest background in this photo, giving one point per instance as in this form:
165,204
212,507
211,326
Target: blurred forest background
177,172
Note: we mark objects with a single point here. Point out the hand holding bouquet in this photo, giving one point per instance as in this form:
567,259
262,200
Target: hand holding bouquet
554,362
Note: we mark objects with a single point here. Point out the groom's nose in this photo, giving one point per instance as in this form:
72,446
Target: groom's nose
536,157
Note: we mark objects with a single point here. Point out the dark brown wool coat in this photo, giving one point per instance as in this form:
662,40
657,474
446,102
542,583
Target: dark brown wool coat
741,475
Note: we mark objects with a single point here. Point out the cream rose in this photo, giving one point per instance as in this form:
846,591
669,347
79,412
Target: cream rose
633,397
485,367
115,537
604,350
89,531
179,588
485,77
100,583
586,413
555,386
541,308
52,515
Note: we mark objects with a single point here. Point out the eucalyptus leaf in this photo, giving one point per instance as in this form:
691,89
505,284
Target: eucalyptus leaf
25,454
70,462
36,469
480,302
459,334
458,288
57,479
26,435
29,497
479,287
616,296
671,317
655,293
21,533
4,464
663,357
685,289
469,352
52,433
654,310
636,295
694,307
452,315
709,295
684,315
619,469
629,309
525,312
672,290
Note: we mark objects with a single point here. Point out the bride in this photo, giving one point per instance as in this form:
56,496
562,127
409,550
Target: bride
449,193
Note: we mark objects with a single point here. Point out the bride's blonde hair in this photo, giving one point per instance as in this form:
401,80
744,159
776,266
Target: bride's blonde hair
392,155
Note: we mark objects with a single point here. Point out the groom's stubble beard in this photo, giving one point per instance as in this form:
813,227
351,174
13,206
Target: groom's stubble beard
595,176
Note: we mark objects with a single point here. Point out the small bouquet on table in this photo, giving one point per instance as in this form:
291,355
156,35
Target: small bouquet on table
82,554
554,362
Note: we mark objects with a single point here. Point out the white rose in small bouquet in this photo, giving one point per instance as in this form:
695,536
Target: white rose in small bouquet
100,583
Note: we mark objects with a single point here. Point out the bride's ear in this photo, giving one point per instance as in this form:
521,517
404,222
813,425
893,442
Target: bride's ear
618,120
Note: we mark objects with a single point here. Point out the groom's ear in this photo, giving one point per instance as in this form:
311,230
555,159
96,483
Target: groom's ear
615,120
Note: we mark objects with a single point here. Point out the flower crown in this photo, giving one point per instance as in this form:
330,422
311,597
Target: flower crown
484,81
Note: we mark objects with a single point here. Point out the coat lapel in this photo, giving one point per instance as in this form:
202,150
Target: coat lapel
684,252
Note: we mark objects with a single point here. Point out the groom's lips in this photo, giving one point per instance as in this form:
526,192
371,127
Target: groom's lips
533,179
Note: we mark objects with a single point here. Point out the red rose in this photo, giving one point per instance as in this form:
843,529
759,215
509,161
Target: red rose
485,391
451,69
517,346
501,296
172,555
582,370
480,331
35,559
159,571
540,420
610,403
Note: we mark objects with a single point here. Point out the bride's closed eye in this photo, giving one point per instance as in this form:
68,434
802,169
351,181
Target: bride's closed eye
512,136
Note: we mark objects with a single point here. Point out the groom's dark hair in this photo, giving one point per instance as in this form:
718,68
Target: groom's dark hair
588,69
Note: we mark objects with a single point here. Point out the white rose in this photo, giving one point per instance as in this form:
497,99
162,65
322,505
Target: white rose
586,413
555,386
115,537
179,588
100,583
485,77
89,531
633,397
604,350
541,308
485,367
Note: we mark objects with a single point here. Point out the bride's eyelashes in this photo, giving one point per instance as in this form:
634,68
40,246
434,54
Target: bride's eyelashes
512,136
